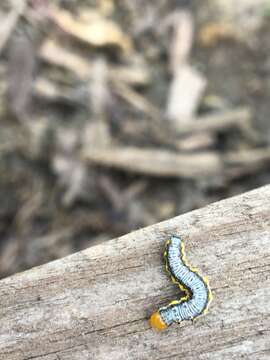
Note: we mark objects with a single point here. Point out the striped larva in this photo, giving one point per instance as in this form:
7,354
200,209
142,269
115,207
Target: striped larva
196,288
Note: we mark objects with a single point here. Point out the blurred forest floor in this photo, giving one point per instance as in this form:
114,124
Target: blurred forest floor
119,114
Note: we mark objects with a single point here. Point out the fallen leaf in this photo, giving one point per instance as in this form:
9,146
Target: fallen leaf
97,32
212,33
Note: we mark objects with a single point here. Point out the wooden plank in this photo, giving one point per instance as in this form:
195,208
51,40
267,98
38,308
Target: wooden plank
95,304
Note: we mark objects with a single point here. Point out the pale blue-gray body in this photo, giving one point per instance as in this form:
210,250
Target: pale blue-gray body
193,307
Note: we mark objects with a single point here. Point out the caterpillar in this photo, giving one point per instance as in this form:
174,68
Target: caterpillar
196,288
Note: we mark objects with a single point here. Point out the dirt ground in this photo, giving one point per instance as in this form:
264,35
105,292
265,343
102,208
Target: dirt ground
116,115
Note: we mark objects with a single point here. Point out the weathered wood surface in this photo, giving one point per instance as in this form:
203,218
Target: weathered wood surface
95,304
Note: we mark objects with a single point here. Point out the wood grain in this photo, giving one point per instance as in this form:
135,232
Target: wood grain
95,304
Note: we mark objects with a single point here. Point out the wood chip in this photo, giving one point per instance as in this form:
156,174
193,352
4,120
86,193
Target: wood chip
185,93
157,162
239,118
187,85
135,99
9,22
55,54
21,70
214,122
182,40
99,32
212,33
246,162
48,90
195,142
163,163
99,91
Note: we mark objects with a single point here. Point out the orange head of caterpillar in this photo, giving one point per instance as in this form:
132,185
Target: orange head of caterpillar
156,322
